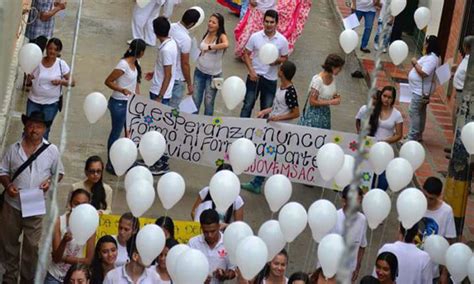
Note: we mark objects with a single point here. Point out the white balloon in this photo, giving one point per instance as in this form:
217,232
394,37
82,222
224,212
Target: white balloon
202,16
224,189
172,257
233,92
467,137
397,6
346,173
411,207
270,233
277,191
233,234
30,57
192,266
414,153
170,189
242,154
252,254
470,269
422,17
399,174
140,197
150,242
152,146
322,217
380,154
398,51
293,219
268,53
137,173
348,40
376,205
142,3
330,252
83,222
436,246
330,159
458,256
95,106
123,154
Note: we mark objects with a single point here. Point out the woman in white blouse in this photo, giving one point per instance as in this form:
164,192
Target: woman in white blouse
124,80
47,82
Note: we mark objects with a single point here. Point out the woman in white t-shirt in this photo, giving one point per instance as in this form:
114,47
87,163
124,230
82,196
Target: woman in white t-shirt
204,201
209,63
105,257
124,80
385,122
272,273
127,227
160,268
47,82
64,252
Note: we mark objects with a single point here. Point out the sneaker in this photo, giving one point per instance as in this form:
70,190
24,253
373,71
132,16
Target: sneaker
376,46
140,162
365,50
251,187
110,169
129,41
384,50
159,169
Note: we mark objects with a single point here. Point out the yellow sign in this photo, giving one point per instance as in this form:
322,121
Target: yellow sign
183,230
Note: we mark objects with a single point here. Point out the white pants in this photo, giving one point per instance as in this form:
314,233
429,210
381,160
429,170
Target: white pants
142,21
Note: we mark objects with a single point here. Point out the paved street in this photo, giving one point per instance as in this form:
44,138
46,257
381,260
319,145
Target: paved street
105,27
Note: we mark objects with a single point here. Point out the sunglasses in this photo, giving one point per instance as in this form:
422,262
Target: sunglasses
96,172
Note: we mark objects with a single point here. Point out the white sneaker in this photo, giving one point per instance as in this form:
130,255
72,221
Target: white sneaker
376,46
384,50
129,41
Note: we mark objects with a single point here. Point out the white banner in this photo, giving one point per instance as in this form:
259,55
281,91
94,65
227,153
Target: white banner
282,148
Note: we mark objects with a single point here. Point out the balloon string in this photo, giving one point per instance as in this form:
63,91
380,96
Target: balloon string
376,181
308,253
288,249
164,219
272,215
368,250
89,137
322,193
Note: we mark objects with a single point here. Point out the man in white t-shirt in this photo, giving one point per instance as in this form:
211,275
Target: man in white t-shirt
262,78
211,244
438,219
182,73
414,265
357,232
162,76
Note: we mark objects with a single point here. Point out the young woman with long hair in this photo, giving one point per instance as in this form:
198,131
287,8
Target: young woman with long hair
124,80
64,252
209,64
386,268
273,272
78,274
105,256
160,267
101,193
386,123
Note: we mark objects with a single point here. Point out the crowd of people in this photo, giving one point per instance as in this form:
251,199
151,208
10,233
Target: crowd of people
32,162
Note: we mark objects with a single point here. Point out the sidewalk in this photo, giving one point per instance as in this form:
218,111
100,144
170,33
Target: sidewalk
439,131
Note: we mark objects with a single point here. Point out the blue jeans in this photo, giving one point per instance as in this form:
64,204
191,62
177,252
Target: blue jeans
118,114
266,88
369,18
49,110
386,38
203,90
177,94
417,113
163,101
49,279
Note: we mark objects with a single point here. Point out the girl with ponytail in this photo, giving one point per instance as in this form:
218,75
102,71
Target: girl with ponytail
124,80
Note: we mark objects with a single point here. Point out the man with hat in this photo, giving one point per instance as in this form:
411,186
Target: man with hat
29,165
